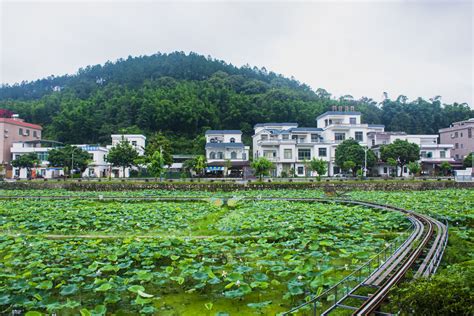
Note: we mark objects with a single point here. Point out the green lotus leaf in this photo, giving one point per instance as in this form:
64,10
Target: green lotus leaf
234,276
148,310
85,312
99,310
68,289
135,288
45,285
33,313
104,287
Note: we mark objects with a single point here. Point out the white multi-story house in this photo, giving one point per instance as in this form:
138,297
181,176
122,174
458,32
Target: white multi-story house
40,148
432,154
136,140
98,167
226,145
291,147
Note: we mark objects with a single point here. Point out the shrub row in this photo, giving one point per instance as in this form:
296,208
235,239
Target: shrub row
220,186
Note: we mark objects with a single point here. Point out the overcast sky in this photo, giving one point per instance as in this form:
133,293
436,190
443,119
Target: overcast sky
414,48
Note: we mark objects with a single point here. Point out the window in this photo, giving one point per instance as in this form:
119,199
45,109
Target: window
43,156
264,137
134,143
35,134
300,170
220,155
287,153
429,154
27,132
442,154
457,156
339,136
404,169
244,156
314,138
456,134
384,169
233,155
212,155
352,120
285,136
469,133
359,136
269,153
20,131
462,145
232,140
461,134
456,145
322,152
423,154
373,142
304,154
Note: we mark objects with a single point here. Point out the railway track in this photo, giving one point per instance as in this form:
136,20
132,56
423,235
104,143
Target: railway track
421,253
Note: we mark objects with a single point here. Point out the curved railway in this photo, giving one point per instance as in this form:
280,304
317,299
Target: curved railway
421,253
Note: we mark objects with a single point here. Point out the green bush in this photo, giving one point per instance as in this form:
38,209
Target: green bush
449,292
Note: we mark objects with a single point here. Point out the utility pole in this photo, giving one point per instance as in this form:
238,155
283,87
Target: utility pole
72,160
161,163
365,160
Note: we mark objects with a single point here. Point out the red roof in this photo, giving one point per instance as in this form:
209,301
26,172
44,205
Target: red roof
21,123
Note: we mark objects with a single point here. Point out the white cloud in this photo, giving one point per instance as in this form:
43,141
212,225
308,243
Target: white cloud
347,47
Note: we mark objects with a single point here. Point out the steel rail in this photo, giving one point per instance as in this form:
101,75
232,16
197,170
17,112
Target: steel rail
371,304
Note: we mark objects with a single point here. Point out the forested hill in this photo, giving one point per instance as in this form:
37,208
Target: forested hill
183,95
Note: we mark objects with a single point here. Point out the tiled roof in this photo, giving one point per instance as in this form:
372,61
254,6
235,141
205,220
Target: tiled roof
20,123
376,125
338,113
275,124
224,145
306,129
223,131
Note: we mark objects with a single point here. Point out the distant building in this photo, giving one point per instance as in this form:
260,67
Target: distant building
226,145
460,135
432,154
41,148
97,168
291,147
137,141
14,130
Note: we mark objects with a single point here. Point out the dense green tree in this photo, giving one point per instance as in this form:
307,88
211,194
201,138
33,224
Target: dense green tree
26,161
182,95
199,164
445,168
392,163
261,167
414,168
351,150
69,156
159,142
349,165
156,163
402,151
122,155
467,163
319,166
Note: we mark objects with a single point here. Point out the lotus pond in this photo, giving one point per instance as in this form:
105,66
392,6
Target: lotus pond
91,257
